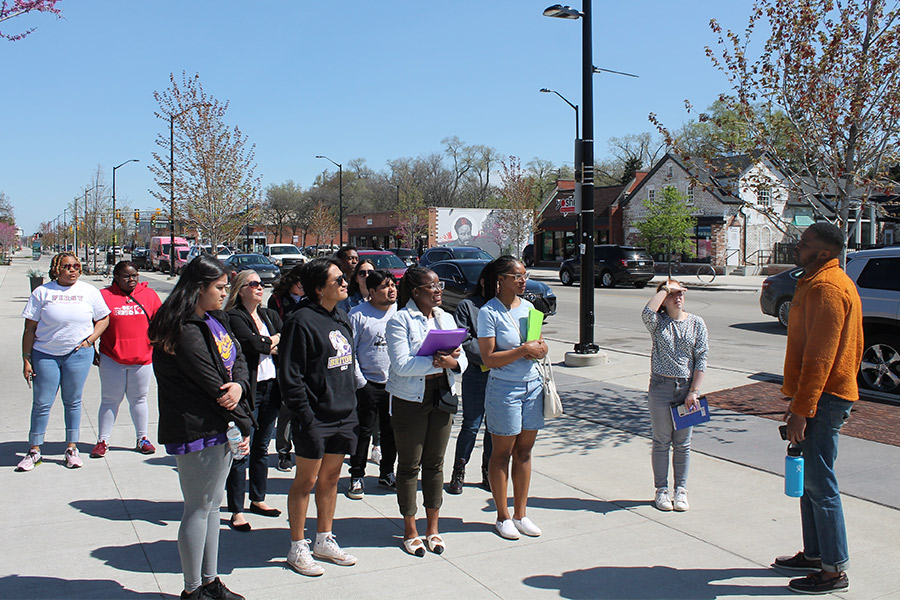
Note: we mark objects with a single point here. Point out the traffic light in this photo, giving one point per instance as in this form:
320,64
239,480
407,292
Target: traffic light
118,214
158,212
137,215
153,220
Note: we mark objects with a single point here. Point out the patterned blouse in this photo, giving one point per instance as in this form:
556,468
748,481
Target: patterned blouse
679,347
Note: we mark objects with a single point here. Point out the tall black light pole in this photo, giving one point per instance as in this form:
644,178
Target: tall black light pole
172,183
340,197
115,238
86,259
585,343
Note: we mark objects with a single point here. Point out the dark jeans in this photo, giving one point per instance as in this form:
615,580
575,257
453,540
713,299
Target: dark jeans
283,443
421,432
474,381
821,513
268,405
372,405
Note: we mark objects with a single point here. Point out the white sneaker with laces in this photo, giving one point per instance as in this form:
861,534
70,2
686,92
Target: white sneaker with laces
681,503
73,460
527,527
328,549
375,457
507,529
663,501
301,560
31,460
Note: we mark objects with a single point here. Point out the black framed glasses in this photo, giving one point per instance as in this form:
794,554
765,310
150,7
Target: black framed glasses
340,280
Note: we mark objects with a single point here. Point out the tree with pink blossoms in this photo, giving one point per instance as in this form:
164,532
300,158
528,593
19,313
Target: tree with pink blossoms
16,8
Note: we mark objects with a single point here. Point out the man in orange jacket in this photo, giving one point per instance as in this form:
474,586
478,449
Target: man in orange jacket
824,349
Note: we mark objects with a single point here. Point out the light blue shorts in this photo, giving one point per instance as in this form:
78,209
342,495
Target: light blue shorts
511,406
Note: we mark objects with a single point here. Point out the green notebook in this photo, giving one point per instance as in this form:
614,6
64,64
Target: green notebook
535,320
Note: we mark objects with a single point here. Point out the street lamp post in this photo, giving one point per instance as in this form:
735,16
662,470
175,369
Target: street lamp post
172,118
585,343
340,197
115,239
574,106
86,259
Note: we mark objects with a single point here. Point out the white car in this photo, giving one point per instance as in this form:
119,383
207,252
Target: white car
285,256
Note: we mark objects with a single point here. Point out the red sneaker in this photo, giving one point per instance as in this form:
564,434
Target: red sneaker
100,449
145,447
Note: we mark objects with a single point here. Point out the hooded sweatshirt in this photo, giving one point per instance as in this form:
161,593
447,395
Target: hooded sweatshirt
125,340
317,374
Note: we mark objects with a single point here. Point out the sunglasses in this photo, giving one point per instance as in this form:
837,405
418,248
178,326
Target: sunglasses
254,284
70,267
364,273
341,280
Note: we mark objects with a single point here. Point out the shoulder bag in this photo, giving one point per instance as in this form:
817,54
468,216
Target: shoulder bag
552,403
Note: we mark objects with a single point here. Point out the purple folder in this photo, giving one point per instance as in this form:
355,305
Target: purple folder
441,339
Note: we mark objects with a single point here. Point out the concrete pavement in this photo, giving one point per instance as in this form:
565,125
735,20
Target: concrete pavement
108,530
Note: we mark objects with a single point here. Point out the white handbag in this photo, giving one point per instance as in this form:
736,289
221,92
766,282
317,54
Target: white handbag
552,404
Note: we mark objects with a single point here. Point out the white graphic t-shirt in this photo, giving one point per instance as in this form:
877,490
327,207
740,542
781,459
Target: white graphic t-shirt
65,315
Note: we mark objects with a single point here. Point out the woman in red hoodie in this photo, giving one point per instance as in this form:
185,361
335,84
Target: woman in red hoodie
126,355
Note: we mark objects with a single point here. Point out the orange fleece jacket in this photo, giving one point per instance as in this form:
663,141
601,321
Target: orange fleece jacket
825,339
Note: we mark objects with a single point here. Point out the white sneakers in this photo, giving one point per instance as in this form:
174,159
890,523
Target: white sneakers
326,548
300,559
511,528
664,502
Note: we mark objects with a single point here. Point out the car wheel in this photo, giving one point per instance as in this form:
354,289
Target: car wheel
640,284
880,368
606,279
783,310
566,277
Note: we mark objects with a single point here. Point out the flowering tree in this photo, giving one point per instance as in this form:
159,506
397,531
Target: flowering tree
322,224
831,69
217,189
21,7
520,215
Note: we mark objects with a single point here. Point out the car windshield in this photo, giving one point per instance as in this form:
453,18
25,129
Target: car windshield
284,250
472,271
385,261
253,259
404,253
182,254
636,254
477,253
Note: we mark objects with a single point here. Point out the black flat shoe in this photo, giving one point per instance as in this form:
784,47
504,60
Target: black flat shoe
241,527
266,512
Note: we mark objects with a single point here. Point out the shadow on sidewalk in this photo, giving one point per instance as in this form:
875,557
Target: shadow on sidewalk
52,588
773,327
131,509
649,583
599,507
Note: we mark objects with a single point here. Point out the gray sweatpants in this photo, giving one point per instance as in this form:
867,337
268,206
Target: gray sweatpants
117,381
202,477
666,392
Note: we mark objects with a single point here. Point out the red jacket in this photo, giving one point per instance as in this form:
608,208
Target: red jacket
125,340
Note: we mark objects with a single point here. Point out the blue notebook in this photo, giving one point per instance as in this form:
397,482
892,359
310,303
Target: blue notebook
682,418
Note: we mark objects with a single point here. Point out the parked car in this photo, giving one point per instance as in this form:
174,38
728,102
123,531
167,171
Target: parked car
285,256
268,272
382,259
141,258
461,276
407,255
159,251
876,274
612,265
439,253
777,293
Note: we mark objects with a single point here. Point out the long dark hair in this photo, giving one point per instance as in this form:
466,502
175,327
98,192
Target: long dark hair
494,269
413,278
483,276
287,281
165,328
353,286
315,276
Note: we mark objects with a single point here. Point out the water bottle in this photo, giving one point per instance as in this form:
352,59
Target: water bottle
235,438
793,471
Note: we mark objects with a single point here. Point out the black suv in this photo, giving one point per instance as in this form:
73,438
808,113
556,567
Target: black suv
439,253
612,265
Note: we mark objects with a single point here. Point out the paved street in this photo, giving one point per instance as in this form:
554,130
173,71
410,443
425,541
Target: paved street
108,530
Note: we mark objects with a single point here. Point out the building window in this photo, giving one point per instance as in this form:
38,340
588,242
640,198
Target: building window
764,196
689,193
670,171
651,194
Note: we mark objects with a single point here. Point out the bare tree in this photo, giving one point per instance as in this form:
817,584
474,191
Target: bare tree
322,223
7,215
412,216
281,200
216,183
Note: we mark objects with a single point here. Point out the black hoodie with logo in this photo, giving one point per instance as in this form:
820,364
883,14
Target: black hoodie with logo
317,364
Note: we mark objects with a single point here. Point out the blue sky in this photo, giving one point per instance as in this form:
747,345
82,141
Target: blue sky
361,79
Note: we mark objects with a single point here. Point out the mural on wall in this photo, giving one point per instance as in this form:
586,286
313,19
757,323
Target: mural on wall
479,227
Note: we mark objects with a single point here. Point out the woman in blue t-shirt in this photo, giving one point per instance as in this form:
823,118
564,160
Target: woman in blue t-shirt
514,398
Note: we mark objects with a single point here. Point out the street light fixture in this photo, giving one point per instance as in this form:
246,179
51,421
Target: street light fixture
115,239
340,197
172,118
585,343
574,106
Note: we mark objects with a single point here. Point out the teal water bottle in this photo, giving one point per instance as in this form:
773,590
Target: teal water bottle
793,471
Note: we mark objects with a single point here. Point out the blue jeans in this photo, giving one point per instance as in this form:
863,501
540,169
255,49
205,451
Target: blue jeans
474,382
268,404
54,373
821,514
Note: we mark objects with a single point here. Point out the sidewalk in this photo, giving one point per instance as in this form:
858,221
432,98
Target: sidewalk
108,530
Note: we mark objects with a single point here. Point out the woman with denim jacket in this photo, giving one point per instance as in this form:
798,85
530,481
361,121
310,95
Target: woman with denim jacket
415,383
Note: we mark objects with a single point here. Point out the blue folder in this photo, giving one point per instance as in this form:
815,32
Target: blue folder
682,418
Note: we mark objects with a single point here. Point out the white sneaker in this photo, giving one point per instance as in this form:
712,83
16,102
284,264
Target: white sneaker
527,527
507,529
302,561
681,503
662,501
328,549
375,457
31,460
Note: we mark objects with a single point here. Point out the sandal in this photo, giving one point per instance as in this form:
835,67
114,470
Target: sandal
414,546
435,543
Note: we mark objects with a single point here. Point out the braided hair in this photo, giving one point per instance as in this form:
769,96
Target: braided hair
57,260
413,278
